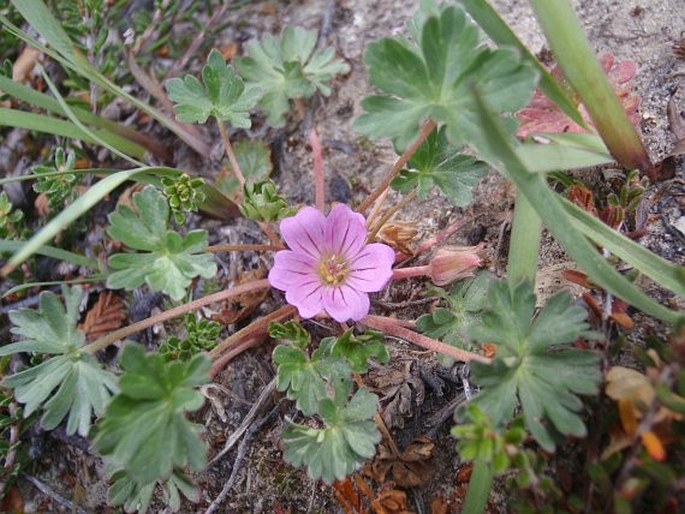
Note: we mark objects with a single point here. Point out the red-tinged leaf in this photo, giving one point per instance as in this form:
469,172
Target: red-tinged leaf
542,115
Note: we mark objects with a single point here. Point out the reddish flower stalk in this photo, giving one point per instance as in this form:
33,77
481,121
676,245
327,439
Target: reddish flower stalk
231,155
110,338
253,329
426,129
440,236
317,153
239,348
391,326
242,248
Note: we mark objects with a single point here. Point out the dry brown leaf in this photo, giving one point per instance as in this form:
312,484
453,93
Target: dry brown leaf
391,501
654,446
439,505
24,64
242,306
409,469
41,205
403,387
353,499
106,315
399,235
229,51
629,384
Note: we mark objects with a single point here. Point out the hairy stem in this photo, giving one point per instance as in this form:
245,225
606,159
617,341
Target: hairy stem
110,338
242,248
389,214
426,129
415,271
391,326
231,154
317,153
255,328
271,234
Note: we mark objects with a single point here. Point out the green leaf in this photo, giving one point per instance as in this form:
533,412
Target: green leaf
72,383
305,378
137,498
466,301
254,159
438,164
144,430
223,94
288,67
171,261
348,439
357,349
261,202
531,364
432,78
290,331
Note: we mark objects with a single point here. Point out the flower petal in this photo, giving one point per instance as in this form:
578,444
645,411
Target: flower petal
345,231
307,297
344,303
304,232
290,269
371,270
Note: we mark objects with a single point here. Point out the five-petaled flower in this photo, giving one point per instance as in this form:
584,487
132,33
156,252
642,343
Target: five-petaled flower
329,266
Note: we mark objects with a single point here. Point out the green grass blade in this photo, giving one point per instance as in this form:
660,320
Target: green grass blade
478,491
577,60
543,158
78,63
216,203
67,110
22,287
9,246
524,248
35,98
69,215
498,30
666,273
40,17
64,128
553,214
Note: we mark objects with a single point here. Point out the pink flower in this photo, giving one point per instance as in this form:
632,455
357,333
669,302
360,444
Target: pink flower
329,265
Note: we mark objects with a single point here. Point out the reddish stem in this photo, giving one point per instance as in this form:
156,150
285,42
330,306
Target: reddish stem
390,326
110,338
438,238
415,271
249,332
426,129
242,248
231,155
317,153
239,348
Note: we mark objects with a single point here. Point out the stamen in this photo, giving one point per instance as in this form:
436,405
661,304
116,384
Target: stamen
333,269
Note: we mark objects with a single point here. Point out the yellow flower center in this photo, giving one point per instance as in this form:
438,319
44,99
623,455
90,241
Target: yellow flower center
332,270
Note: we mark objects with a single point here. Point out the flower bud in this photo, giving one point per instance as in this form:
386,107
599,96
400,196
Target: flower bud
455,263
